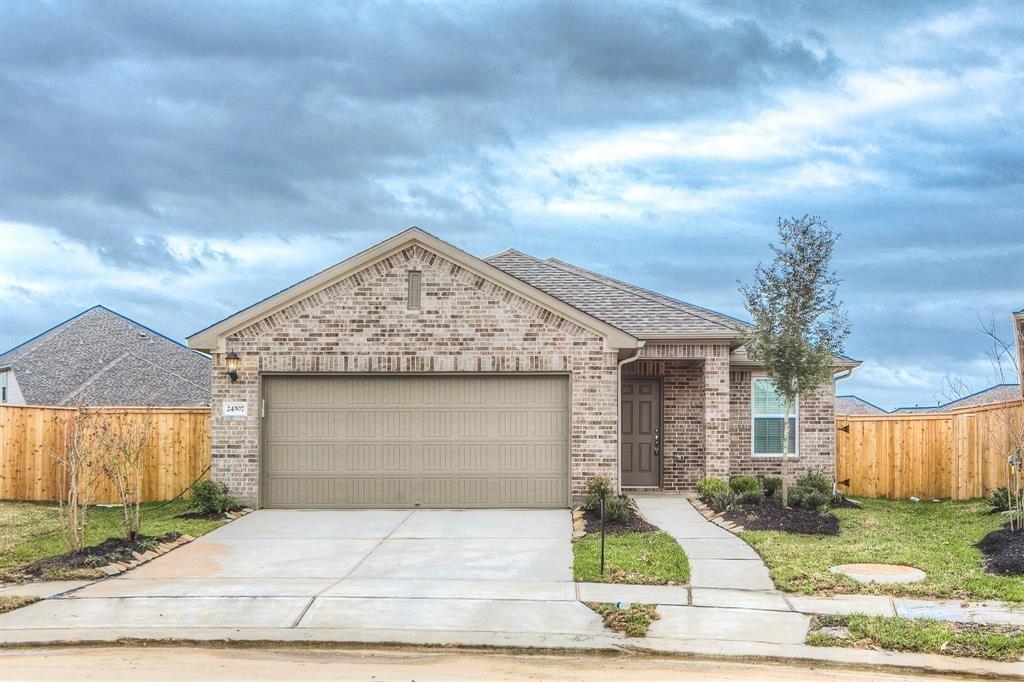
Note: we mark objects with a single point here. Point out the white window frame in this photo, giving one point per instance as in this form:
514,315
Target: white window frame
796,423
5,385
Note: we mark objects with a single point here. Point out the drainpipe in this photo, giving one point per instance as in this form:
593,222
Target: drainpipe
618,404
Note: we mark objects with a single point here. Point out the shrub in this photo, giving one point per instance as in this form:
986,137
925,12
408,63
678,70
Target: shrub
616,507
745,484
808,497
819,482
750,497
212,497
723,499
708,487
771,486
1000,499
592,490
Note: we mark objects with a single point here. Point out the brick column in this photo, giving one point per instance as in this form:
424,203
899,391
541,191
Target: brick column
716,414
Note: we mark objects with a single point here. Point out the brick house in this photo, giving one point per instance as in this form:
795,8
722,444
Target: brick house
415,374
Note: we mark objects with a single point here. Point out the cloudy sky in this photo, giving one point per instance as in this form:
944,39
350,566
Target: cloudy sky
177,161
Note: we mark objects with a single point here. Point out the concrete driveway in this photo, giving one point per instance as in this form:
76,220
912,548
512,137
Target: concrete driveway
497,571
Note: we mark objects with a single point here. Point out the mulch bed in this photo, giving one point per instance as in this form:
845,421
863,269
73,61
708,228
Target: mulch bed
1004,551
108,551
206,516
635,524
771,516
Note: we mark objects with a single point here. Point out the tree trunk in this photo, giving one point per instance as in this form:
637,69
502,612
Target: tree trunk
785,454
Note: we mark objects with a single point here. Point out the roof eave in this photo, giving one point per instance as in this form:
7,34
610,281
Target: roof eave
212,338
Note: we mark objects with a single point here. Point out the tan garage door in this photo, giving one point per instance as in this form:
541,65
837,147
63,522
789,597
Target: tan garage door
407,441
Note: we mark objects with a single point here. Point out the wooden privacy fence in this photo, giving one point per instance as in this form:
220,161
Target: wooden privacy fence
959,454
177,451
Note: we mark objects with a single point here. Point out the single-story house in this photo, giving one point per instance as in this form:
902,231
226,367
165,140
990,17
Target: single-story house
852,404
100,357
417,375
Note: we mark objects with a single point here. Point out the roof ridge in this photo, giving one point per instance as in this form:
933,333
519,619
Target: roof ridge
625,286
510,250
40,335
85,384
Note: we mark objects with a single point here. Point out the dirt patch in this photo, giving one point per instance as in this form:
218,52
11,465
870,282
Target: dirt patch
1004,551
109,551
11,603
634,524
771,516
632,621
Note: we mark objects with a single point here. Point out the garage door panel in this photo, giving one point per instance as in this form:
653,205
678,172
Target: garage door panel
441,441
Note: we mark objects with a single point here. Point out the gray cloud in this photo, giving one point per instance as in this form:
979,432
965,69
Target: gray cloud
126,125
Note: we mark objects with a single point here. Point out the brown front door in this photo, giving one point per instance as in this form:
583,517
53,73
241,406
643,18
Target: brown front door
641,432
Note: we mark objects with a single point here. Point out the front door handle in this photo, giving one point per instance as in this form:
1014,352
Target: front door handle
657,442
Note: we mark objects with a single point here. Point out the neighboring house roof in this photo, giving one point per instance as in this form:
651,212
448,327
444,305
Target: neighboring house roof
851,404
100,357
993,394
640,312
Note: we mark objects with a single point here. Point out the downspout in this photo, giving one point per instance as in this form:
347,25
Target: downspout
618,415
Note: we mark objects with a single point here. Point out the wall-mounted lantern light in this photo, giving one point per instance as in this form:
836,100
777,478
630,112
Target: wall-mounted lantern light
233,363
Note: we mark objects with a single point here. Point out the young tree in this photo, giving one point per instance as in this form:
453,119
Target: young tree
122,442
799,324
78,471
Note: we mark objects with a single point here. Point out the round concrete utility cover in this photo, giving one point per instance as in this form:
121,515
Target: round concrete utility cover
880,573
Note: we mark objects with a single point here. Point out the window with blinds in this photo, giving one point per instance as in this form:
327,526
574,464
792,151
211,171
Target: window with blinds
769,413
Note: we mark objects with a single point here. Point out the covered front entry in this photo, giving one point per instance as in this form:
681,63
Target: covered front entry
440,441
641,432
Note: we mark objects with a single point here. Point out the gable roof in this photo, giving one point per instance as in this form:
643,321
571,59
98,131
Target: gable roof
99,357
641,312
851,404
212,338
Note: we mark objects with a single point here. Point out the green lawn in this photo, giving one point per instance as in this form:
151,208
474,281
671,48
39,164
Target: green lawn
924,635
635,558
31,530
937,537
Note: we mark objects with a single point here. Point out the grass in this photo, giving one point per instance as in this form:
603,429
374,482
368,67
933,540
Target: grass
31,530
937,537
999,643
11,603
652,558
632,621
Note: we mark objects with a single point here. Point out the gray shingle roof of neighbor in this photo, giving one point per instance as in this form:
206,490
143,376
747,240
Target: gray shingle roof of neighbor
100,357
851,404
632,309
993,394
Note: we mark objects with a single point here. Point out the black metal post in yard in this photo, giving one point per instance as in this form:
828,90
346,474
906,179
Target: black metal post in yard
602,530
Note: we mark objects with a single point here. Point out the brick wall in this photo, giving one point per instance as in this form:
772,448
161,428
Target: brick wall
816,442
465,324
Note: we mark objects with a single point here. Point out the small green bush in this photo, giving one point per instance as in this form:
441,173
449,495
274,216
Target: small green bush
808,497
745,484
723,500
617,508
999,500
592,490
212,497
771,485
708,487
819,482
750,497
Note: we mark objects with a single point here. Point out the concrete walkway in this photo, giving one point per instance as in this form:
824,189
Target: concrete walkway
718,559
